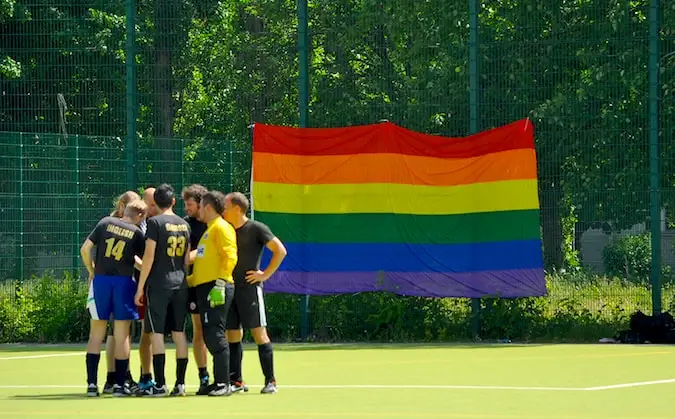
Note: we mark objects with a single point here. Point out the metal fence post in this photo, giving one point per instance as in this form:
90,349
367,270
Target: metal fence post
22,162
303,104
474,122
654,163
131,99
76,230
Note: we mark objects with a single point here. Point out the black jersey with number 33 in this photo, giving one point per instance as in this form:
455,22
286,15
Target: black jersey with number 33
117,242
172,235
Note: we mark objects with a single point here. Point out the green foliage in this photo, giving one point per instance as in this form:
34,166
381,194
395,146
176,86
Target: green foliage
45,310
630,257
17,315
579,308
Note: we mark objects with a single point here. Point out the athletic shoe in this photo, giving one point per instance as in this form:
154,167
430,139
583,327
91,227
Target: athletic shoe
120,391
238,386
92,390
108,388
131,387
270,388
204,386
144,385
178,390
220,390
155,391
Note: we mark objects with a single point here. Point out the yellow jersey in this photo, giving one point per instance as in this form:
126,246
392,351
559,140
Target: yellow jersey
216,254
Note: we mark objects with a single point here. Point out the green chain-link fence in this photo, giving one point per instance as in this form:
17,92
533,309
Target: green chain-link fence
72,104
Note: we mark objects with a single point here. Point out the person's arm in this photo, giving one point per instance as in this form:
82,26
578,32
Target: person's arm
278,250
191,256
139,249
148,260
188,255
138,263
85,252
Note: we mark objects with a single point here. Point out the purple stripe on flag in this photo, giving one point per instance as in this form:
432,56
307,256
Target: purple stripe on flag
505,283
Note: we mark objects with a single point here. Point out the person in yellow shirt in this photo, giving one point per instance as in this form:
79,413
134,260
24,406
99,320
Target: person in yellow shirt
214,286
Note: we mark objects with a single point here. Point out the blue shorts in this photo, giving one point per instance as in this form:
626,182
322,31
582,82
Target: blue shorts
112,295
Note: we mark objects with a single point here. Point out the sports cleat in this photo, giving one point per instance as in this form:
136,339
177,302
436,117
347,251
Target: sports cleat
270,388
155,391
144,385
131,387
220,390
178,390
204,386
120,391
238,386
92,390
108,388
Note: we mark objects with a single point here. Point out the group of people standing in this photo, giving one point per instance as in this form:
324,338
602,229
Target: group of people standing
147,263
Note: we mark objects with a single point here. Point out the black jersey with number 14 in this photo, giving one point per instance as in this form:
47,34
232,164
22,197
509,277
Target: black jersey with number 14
172,235
117,242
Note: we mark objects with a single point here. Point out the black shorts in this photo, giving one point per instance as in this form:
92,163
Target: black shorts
248,308
165,308
192,301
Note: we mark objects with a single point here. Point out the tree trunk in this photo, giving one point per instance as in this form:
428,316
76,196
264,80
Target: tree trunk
163,86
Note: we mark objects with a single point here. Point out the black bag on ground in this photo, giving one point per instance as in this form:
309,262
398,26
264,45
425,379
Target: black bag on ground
654,329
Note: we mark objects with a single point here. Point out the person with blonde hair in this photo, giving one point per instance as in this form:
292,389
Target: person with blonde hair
130,385
118,242
122,201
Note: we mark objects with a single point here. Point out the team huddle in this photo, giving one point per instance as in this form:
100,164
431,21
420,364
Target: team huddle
147,263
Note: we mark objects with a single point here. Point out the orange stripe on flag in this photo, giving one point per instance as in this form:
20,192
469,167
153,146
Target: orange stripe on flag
517,164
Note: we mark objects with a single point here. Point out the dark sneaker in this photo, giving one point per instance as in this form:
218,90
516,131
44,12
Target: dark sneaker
156,391
143,386
203,386
270,388
92,390
120,391
108,388
238,386
178,390
220,390
131,387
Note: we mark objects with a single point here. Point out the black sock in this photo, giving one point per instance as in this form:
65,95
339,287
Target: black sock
120,368
158,362
267,361
236,355
181,367
111,378
203,372
127,374
92,368
144,377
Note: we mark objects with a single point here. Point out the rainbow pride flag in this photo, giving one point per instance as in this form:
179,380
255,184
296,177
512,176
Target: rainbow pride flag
382,208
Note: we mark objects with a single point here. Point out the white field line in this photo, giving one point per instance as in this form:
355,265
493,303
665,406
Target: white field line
628,385
9,358
371,386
